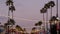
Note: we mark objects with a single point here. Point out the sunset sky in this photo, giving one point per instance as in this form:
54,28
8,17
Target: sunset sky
27,11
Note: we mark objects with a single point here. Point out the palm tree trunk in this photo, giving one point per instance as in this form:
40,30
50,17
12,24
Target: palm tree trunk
12,18
8,19
43,18
57,14
43,23
51,12
8,15
47,20
57,8
12,14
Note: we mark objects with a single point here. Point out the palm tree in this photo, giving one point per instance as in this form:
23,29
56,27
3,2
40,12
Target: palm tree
47,6
52,4
6,26
18,28
12,8
43,10
57,8
12,21
53,18
33,30
9,2
53,25
38,24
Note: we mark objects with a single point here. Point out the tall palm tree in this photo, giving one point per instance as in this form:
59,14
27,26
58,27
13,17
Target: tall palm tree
43,10
52,4
53,18
53,24
12,8
9,3
12,21
47,6
57,8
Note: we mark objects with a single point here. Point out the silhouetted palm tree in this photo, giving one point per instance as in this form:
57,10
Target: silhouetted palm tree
9,2
12,21
19,28
43,10
7,27
52,4
12,8
38,24
57,8
47,6
53,24
33,30
53,18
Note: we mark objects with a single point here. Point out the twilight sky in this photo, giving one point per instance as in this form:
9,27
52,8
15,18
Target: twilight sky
27,11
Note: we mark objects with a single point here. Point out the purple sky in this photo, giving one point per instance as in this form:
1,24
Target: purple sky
27,11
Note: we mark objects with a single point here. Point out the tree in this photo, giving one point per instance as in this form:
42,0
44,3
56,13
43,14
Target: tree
53,18
18,28
9,2
39,23
12,8
52,4
11,21
53,24
33,30
43,10
47,6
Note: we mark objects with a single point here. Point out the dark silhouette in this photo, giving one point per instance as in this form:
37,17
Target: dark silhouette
53,26
11,7
38,24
